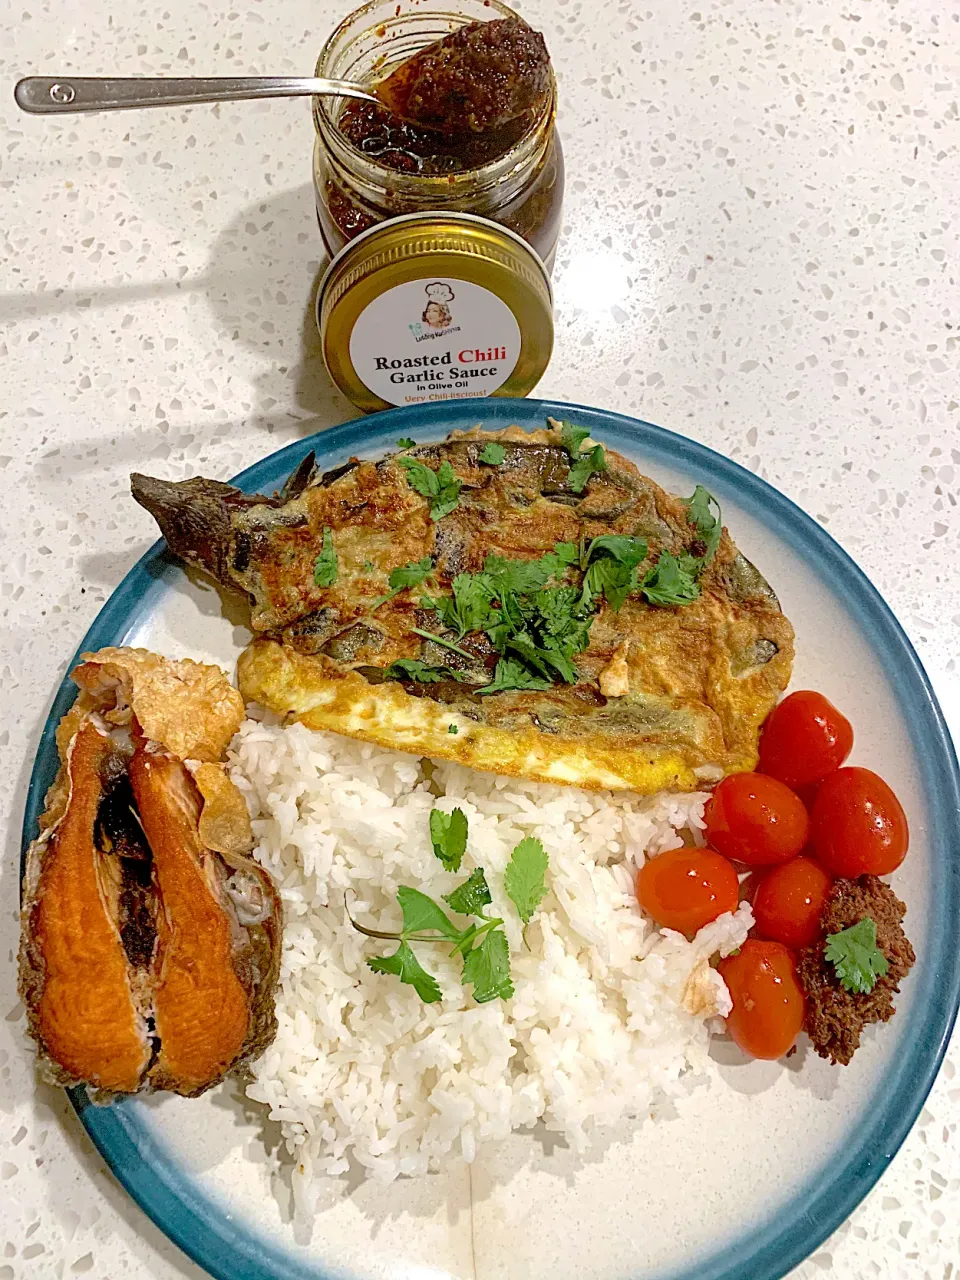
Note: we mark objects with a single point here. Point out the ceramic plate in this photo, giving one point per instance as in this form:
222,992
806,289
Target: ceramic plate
742,1179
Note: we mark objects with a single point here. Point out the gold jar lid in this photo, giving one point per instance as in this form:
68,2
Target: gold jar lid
432,306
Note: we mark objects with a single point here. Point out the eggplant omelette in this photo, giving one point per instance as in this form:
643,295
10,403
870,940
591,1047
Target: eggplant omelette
522,602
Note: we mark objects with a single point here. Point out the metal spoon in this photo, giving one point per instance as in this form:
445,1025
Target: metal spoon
52,95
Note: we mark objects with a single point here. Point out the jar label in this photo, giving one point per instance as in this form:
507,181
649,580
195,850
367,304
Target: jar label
435,339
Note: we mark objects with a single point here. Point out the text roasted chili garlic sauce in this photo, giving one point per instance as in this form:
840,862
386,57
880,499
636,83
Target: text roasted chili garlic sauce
435,307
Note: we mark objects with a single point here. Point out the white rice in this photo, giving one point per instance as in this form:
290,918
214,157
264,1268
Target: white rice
362,1072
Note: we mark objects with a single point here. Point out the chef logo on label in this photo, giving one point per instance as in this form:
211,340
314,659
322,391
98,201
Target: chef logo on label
437,318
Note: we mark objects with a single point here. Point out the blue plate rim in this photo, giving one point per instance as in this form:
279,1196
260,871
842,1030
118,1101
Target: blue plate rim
193,1218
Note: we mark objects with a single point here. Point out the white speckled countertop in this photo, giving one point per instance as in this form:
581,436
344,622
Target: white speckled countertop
761,250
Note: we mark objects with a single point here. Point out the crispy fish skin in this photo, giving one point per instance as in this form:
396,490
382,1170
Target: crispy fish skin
75,979
186,706
139,893
689,685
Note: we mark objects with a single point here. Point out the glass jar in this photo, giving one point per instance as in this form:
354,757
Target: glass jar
521,187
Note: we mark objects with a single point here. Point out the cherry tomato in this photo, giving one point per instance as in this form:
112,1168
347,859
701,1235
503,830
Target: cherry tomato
858,825
756,820
767,1012
684,889
803,739
788,902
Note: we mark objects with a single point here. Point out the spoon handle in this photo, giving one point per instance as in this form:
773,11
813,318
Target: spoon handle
51,95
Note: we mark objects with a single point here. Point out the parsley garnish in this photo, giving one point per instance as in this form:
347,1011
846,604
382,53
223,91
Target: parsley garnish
855,956
448,834
513,675
493,454
708,525
452,728
414,669
672,580
487,967
467,898
325,568
440,487
524,877
406,443
585,466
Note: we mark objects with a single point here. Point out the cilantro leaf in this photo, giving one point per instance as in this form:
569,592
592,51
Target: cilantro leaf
561,618
414,669
485,965
448,833
419,477
515,577
406,443
442,641
509,600
487,968
672,581
406,575
421,912
611,579
409,970
628,551
708,525
585,466
543,659
441,487
563,555
448,497
411,574
468,609
572,438
612,562
467,898
511,674
524,877
326,569
452,728
493,454
855,956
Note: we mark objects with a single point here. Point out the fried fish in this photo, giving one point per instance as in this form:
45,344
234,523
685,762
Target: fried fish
660,683
150,942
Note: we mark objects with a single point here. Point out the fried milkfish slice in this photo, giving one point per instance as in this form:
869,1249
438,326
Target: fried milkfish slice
202,1009
150,942
75,979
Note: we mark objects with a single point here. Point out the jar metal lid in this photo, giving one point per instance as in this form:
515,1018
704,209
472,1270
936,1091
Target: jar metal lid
435,306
